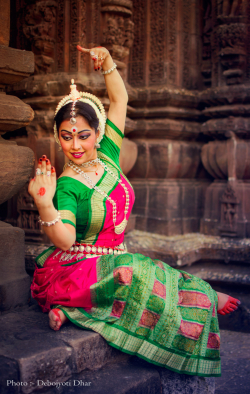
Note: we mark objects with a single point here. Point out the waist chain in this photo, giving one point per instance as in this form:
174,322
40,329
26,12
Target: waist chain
79,250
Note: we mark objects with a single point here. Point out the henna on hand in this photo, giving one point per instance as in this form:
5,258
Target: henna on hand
41,191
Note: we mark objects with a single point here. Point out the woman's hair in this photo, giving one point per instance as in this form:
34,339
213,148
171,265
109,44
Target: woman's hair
82,109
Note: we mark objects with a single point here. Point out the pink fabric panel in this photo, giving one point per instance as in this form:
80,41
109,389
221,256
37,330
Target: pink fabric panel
68,285
213,341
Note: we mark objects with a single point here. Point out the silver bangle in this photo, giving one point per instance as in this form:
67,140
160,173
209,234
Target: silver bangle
48,224
110,70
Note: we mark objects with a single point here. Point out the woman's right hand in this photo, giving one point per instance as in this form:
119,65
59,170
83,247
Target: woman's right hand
99,55
42,188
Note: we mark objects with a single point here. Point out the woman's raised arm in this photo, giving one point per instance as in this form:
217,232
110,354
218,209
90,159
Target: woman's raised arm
115,86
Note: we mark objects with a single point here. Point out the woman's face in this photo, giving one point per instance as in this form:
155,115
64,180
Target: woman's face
78,141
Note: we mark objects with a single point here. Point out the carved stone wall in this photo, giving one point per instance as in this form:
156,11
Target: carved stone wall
227,121
191,74
37,25
166,40
206,66
186,64
164,66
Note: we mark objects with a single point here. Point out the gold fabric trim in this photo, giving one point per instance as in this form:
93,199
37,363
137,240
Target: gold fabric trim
97,208
44,257
113,135
102,156
68,215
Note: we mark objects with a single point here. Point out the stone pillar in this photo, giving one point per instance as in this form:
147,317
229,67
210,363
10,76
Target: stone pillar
164,68
5,23
15,166
226,158
117,31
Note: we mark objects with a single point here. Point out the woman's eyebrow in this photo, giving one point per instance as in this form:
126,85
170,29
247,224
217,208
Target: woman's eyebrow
67,131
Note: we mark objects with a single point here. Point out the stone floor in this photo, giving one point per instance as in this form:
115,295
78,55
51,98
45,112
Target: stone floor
235,358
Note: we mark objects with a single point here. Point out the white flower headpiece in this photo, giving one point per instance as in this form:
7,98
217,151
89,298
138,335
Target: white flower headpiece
87,98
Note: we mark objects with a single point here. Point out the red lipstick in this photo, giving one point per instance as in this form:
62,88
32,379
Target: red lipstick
77,155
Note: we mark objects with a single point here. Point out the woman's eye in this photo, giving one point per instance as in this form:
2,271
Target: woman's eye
81,137
66,138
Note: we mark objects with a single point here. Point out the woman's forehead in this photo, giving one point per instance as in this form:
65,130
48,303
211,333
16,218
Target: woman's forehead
81,123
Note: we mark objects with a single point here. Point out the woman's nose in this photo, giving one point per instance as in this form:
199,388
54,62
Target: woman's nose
76,144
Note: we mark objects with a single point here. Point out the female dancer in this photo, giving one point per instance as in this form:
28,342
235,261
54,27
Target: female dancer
139,305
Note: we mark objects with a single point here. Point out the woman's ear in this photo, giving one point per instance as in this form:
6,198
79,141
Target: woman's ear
97,133
97,145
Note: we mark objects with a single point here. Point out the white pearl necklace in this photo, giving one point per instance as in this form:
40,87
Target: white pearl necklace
120,227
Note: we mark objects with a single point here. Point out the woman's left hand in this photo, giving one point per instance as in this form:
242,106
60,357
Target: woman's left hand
97,54
42,188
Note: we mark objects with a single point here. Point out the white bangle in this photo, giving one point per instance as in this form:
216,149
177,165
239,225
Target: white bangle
48,224
110,70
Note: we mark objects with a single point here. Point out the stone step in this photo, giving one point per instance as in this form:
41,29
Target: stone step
230,274
122,378
182,250
30,350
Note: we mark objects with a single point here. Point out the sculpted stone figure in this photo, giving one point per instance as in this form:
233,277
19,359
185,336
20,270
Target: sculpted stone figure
231,7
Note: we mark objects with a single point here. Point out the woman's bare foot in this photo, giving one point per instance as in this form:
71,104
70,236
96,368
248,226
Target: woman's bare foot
56,319
226,304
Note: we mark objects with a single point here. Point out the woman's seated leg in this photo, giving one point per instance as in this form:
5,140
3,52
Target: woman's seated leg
57,318
226,304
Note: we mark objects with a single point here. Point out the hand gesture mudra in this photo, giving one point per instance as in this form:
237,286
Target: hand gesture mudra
97,54
42,188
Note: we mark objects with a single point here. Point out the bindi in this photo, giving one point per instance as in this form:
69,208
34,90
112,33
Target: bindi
74,129
41,191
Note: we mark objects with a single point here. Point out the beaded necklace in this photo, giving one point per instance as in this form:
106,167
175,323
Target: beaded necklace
120,227
89,163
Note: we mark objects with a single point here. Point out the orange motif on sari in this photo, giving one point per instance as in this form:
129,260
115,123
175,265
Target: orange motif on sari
214,311
190,330
123,275
213,341
118,308
149,319
159,289
194,299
